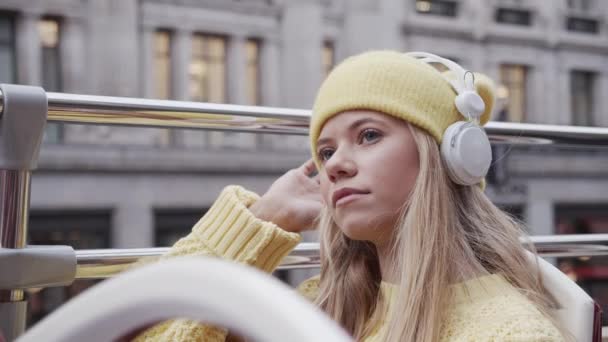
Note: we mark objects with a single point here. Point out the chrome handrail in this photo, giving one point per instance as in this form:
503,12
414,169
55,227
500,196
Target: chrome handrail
104,263
126,111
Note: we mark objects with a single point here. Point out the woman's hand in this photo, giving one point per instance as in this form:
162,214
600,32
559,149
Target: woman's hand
293,201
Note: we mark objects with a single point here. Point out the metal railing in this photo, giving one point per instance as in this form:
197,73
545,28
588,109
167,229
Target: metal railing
107,110
26,109
104,263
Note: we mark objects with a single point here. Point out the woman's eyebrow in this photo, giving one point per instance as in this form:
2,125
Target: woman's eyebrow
362,122
323,141
353,126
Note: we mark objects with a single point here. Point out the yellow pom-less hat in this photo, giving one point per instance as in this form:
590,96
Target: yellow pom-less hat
395,84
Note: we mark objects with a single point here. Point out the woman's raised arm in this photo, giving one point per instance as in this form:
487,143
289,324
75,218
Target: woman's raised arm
246,228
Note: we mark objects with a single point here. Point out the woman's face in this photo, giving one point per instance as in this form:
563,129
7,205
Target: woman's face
370,163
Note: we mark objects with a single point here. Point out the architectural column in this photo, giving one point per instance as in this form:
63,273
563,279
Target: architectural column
237,70
301,52
540,216
563,98
359,17
270,89
601,100
28,49
133,225
491,68
147,72
540,219
477,58
269,72
112,33
73,60
552,13
536,91
181,48
481,16
548,113
391,13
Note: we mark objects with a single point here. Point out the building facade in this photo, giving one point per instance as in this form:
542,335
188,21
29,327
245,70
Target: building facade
100,187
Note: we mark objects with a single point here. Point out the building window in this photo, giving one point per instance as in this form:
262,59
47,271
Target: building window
49,31
444,8
581,91
514,16
584,25
162,64
208,68
51,63
252,50
171,225
7,49
514,88
329,57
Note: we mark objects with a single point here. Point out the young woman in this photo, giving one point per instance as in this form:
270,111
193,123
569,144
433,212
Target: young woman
411,248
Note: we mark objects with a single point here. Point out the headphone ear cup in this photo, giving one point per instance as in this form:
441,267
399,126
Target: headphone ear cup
466,152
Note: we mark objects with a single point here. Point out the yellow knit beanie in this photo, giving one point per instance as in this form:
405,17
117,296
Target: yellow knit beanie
395,84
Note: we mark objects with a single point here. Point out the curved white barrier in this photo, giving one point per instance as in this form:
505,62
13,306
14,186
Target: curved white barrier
210,290
577,307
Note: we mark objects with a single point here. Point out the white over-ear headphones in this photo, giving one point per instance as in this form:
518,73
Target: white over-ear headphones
465,147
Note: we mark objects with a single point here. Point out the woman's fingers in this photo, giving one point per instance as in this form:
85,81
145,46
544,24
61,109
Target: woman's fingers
308,168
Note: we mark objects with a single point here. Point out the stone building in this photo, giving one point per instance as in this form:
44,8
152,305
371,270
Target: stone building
99,187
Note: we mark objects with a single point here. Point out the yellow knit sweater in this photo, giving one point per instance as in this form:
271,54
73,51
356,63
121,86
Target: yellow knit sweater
484,309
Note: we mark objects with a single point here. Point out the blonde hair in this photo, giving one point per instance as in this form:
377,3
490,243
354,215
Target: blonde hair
446,234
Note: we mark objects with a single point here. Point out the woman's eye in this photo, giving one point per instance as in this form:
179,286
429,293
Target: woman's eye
325,154
369,135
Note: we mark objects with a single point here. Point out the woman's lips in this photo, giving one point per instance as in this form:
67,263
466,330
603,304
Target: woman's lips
345,200
347,195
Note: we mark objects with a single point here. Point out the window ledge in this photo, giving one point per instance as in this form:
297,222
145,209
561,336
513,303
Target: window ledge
91,158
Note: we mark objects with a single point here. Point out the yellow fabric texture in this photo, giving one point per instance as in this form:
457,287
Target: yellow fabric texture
483,309
229,231
395,84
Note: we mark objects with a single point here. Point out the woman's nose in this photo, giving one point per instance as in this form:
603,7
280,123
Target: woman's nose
340,165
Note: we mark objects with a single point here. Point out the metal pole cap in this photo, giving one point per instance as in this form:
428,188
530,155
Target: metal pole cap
24,112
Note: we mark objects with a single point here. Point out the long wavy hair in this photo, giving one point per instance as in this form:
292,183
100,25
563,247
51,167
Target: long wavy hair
446,233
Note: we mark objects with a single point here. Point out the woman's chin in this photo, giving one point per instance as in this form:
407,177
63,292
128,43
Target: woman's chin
357,232
370,231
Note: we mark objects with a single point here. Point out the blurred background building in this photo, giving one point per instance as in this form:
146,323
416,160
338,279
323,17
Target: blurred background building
102,187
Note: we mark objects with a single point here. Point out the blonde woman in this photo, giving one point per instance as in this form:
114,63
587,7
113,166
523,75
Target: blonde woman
411,248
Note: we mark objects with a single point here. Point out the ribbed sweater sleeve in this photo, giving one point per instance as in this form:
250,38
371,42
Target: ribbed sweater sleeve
229,231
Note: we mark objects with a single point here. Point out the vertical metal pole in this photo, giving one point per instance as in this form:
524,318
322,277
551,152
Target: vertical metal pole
14,208
22,122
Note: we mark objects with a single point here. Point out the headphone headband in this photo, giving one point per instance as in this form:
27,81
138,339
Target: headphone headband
465,147
459,84
468,102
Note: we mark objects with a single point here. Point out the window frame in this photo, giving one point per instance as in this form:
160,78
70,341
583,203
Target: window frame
206,56
524,91
589,77
11,44
511,12
438,8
